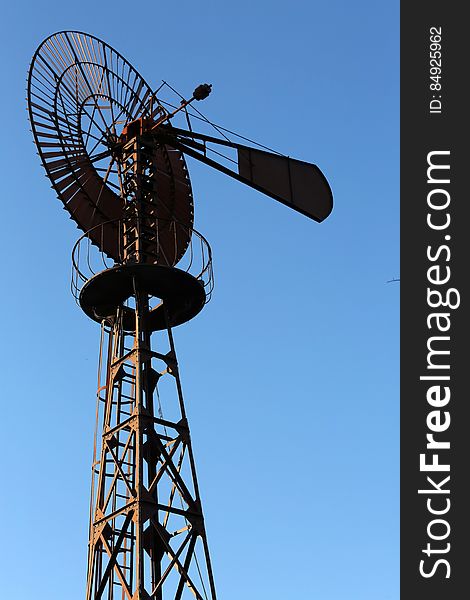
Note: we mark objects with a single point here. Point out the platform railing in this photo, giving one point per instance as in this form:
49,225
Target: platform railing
89,257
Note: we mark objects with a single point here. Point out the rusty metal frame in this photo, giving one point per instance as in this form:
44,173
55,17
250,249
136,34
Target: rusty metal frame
147,537
143,467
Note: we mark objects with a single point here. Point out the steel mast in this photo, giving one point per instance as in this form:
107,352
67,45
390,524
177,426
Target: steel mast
146,515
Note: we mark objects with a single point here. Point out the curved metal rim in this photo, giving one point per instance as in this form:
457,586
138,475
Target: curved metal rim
71,169
207,268
30,73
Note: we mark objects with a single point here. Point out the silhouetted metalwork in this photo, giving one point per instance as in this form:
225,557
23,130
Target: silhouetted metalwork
117,163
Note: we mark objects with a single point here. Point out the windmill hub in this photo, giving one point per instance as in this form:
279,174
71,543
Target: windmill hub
137,127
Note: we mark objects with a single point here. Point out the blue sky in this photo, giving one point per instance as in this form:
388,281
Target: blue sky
291,372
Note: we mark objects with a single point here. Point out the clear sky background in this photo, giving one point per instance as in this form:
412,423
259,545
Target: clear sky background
290,374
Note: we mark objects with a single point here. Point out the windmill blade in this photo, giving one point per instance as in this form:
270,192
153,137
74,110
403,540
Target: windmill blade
295,183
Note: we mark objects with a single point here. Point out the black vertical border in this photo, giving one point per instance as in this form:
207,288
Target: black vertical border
421,133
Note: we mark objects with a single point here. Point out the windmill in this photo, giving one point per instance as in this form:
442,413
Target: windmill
116,160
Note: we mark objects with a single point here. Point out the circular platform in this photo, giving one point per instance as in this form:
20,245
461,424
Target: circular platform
183,294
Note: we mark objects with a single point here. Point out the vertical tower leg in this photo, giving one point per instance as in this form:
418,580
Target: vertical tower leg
147,533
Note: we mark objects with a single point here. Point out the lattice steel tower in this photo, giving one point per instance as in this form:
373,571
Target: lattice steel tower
116,161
